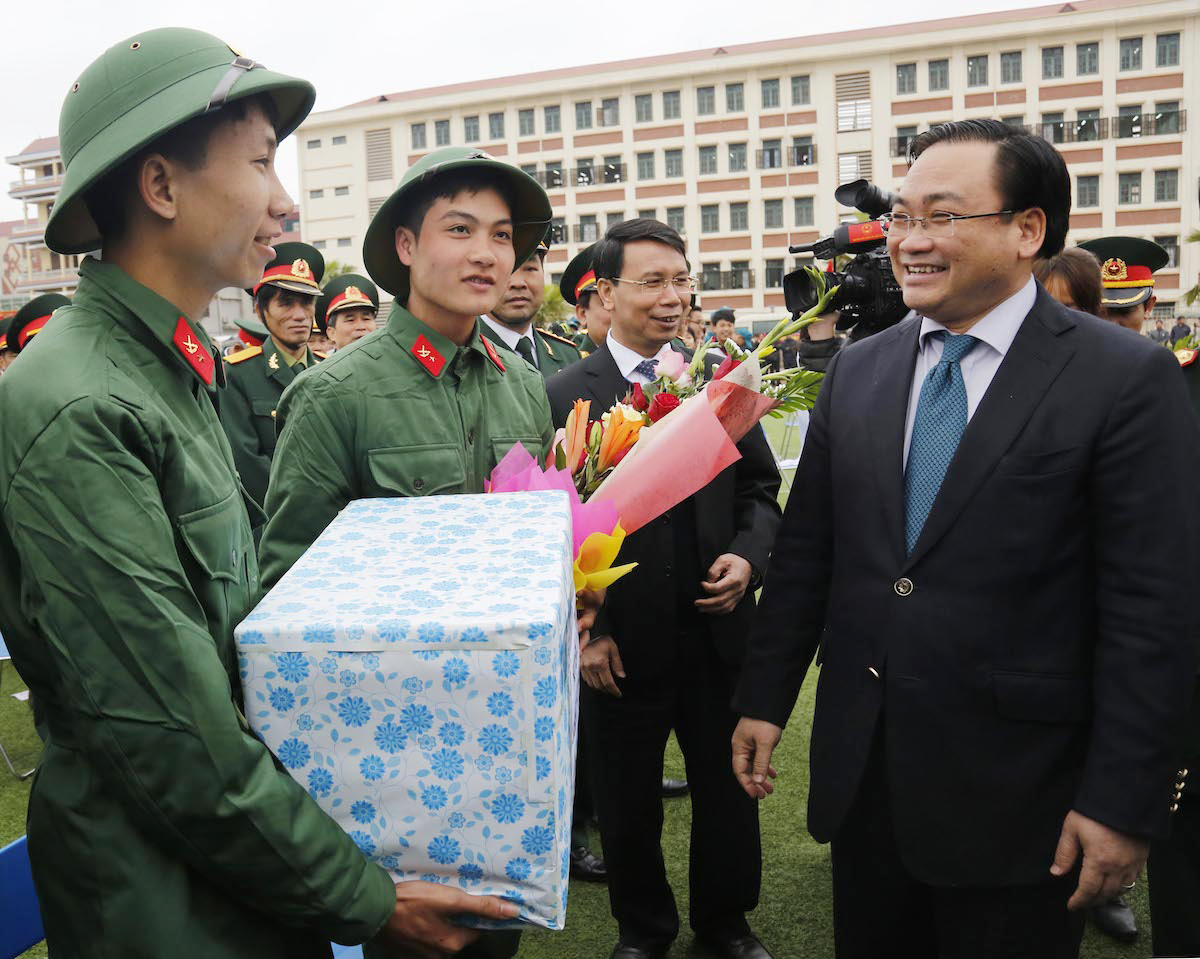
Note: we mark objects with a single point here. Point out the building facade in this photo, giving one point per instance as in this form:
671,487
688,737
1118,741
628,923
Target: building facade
741,148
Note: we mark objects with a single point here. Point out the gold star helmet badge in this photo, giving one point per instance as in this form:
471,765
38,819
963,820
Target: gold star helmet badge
301,269
354,293
1114,270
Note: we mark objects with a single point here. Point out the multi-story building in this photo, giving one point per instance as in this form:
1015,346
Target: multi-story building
28,267
741,148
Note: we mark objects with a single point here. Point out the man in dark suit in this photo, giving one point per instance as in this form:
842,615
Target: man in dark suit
668,653
976,545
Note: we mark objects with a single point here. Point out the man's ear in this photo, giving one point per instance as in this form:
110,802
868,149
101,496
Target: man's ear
606,290
406,245
157,185
1033,231
580,313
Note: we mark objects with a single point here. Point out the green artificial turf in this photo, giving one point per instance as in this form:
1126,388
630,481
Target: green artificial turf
793,918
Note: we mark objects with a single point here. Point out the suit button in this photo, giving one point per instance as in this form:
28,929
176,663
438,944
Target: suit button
1182,773
1179,786
903,586
418,484
1175,807
668,569
873,671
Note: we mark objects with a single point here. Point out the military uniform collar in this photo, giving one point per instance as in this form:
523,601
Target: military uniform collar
185,341
433,352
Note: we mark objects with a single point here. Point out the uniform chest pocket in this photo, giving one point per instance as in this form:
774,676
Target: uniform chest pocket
264,408
416,470
217,537
502,444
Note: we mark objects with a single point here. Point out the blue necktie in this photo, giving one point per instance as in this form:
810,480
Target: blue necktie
647,368
938,427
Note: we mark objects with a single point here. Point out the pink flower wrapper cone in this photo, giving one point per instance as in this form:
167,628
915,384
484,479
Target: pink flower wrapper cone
737,407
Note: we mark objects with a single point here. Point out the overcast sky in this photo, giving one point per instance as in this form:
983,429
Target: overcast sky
354,49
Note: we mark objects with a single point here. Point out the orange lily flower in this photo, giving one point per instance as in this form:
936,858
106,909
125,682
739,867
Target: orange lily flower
619,436
575,440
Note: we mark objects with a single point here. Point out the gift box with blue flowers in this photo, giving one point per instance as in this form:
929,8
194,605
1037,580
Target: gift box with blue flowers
417,670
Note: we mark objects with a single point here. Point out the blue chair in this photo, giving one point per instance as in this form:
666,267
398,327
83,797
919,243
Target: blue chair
20,917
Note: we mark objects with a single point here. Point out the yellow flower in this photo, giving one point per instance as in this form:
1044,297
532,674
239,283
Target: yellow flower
594,565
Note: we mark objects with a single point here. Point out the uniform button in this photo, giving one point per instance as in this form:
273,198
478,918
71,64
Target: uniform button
233,556
1175,807
470,436
418,483
873,671
903,586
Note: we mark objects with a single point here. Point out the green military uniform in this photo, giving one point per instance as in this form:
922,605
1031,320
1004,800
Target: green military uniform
158,824
258,375
579,280
553,352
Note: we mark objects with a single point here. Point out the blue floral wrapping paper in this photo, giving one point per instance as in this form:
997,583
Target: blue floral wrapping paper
418,671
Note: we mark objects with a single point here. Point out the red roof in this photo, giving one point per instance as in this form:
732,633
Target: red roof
42,145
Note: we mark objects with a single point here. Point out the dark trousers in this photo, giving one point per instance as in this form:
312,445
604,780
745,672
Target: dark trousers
584,808
628,739
1174,868
493,944
879,909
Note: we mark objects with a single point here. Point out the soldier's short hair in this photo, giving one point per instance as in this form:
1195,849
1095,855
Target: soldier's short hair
411,214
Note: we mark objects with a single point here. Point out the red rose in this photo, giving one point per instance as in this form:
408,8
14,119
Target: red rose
663,404
726,368
638,400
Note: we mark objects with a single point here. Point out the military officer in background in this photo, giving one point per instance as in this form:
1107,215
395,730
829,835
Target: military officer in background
6,355
319,341
285,303
30,320
348,307
578,287
510,323
1127,268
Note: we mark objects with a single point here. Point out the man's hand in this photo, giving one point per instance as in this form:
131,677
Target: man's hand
600,663
753,742
1112,860
726,584
587,604
421,921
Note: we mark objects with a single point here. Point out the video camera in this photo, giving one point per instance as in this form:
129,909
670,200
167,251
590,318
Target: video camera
868,297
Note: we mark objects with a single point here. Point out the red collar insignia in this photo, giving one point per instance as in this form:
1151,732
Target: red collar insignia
492,354
192,350
428,357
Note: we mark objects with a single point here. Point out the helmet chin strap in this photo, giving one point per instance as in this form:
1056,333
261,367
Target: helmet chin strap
220,93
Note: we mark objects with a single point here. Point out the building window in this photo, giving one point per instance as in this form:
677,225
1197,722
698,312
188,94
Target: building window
852,92
1017,122
1010,67
772,214
675,218
801,91
906,78
525,123
673,163
1129,121
804,211
471,129
1052,63
315,194
583,115
1087,59
770,94
1053,128
735,98
854,166
530,168
341,191
1171,245
589,229
939,75
710,218
610,112
585,173
1166,186
558,230
737,157
803,151
708,160
643,107
314,144
1087,191
706,100
977,71
1166,117
495,126
647,214
318,244
552,119
379,154
739,216
341,141
1129,188
774,273
645,166
770,157
1087,125
343,241
553,175
1131,53
612,219
1167,50
441,132
614,170
671,105
710,276
418,136
740,277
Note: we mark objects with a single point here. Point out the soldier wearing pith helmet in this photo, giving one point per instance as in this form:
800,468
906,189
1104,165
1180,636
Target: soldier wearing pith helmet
348,307
1127,268
158,823
285,298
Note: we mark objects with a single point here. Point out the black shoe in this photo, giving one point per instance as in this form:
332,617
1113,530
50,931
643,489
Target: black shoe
674,788
587,866
1115,919
741,946
625,950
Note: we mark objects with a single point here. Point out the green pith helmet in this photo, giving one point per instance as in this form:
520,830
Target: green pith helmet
530,217
140,89
578,277
346,292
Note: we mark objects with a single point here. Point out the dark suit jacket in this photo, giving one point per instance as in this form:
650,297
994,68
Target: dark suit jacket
1033,654
736,513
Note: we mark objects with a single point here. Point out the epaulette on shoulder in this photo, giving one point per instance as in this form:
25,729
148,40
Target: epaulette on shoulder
1186,357
240,355
555,336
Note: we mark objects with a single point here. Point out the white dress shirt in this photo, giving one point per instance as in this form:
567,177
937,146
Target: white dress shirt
510,337
995,332
627,360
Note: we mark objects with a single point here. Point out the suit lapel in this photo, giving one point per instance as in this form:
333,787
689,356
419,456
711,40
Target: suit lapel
1030,366
890,388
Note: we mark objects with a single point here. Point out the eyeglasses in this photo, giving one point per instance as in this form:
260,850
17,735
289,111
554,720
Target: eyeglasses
682,284
936,224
